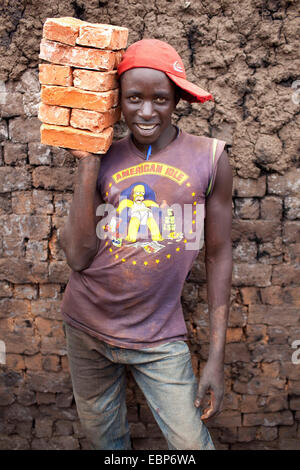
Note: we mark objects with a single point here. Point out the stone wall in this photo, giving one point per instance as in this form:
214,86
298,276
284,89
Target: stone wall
246,54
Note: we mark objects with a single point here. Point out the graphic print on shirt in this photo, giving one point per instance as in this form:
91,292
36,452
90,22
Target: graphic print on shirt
141,219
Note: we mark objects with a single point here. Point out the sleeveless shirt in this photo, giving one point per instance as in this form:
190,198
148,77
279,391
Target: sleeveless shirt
150,233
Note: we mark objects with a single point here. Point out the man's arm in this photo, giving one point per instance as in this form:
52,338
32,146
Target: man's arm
78,237
218,263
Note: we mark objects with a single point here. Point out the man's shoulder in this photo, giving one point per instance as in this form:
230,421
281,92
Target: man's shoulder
199,137
203,143
117,145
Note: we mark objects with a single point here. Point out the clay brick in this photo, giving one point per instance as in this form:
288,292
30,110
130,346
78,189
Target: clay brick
249,404
247,208
54,114
58,178
289,443
295,403
94,121
14,442
268,419
49,382
12,178
294,387
63,30
50,74
77,139
95,81
291,295
273,315
271,295
59,271
51,291
234,335
292,207
149,444
103,36
45,398
291,232
260,385
26,397
23,271
44,326
64,364
55,443
5,289
273,403
270,352
246,434
118,57
249,295
24,130
63,428
271,370
33,362
265,433
43,427
263,230
82,57
271,207
245,251
25,291
285,185
15,361
39,154
286,274
227,418
251,274
76,98
17,343
32,202
64,400
14,153
277,335
236,352
51,363
52,346
248,187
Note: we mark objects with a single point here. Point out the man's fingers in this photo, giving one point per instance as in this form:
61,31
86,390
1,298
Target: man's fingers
214,408
200,395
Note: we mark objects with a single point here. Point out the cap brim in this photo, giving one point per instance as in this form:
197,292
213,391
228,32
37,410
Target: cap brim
190,92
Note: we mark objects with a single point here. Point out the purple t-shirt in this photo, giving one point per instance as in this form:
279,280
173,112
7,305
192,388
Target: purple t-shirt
150,235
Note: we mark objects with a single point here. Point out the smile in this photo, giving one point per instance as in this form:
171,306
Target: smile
146,127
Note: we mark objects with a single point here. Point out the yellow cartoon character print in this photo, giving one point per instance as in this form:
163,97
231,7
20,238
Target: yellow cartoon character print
141,213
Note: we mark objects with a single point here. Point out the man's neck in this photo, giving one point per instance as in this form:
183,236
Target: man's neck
164,140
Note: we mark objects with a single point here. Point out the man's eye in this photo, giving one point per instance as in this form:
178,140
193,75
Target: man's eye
134,99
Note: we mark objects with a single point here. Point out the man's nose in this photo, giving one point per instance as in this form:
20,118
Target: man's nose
146,110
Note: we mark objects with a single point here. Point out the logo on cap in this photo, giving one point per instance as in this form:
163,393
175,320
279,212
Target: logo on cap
178,67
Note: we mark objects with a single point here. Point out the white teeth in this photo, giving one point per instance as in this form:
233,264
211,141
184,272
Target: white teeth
146,127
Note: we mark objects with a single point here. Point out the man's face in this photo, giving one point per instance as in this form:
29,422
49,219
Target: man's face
148,100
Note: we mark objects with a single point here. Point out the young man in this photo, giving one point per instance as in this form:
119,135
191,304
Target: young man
122,302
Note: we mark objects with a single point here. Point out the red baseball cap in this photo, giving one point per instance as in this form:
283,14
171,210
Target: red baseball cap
159,55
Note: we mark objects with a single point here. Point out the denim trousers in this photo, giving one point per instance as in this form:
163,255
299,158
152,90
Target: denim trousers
165,375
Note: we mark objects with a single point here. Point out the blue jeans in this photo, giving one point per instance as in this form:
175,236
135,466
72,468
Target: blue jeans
164,374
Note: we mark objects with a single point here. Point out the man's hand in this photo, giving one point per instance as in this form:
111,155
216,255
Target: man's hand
80,153
212,380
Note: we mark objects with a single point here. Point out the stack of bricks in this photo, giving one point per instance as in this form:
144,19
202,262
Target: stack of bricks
79,87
